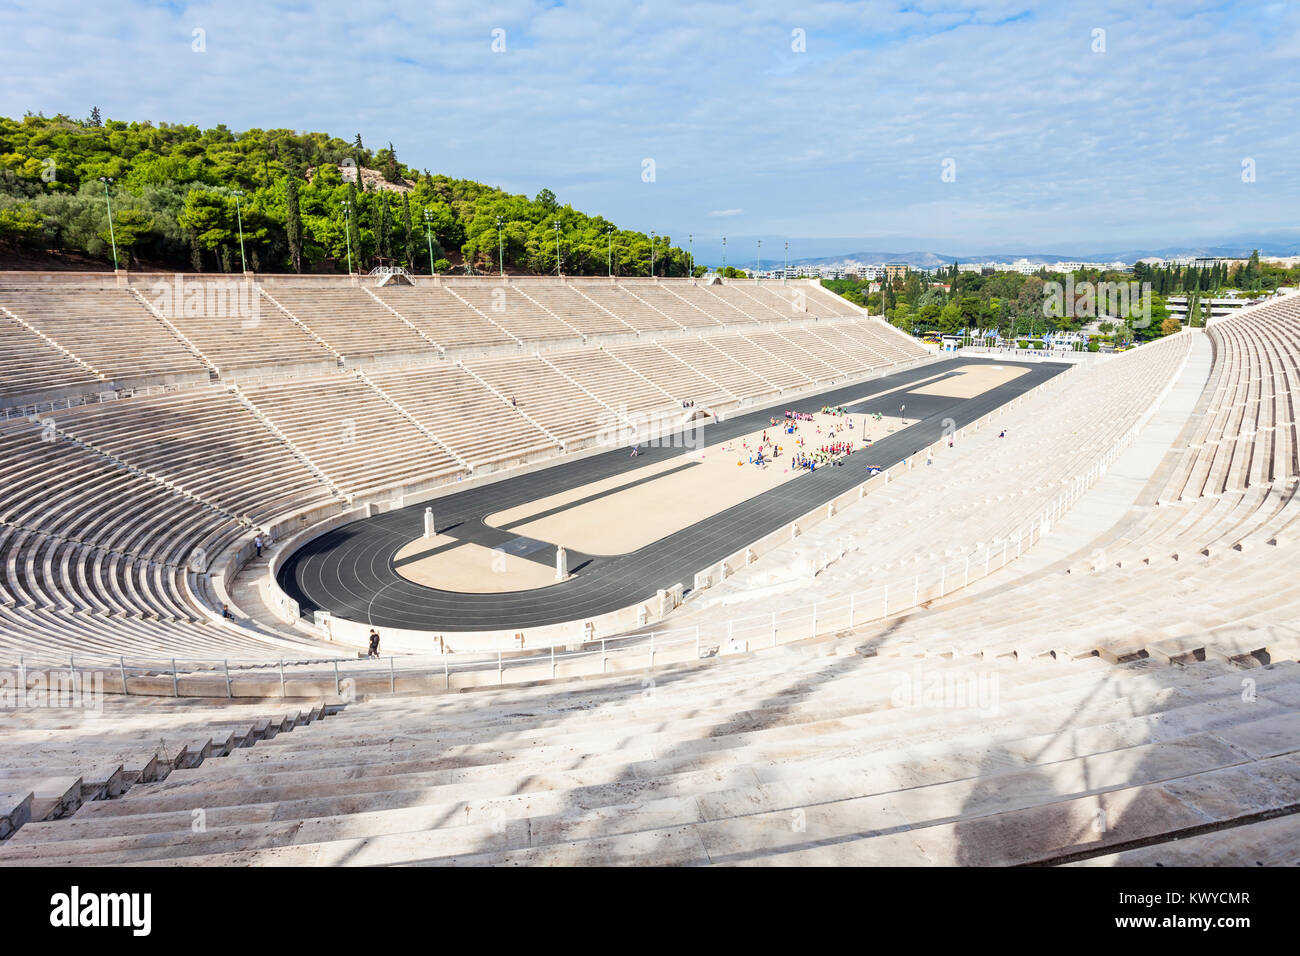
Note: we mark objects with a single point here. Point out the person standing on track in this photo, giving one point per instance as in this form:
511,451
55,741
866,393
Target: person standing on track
374,644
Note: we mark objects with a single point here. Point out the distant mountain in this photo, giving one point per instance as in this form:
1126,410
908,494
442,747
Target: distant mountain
1271,245
917,260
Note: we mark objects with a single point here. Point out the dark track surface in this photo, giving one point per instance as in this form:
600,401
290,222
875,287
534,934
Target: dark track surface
350,571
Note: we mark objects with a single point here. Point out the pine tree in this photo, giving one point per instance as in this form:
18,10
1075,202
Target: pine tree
293,222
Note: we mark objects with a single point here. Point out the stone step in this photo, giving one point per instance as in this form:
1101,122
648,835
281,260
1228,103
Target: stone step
1274,842
849,734
908,776
873,829
15,809
375,729
1047,832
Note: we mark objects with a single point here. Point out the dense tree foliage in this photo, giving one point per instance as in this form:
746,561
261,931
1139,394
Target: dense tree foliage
1248,276
173,205
951,301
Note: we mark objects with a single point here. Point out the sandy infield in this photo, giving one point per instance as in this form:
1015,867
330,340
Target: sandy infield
716,478
472,568
628,511
971,380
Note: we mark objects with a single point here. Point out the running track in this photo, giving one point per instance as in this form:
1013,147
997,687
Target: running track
350,571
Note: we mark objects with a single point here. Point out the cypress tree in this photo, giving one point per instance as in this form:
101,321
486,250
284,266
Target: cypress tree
359,157
390,167
379,223
406,224
293,222
354,223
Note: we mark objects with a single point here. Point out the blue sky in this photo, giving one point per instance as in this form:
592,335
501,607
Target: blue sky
1053,144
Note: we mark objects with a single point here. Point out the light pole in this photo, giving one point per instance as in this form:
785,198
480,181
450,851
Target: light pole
785,273
690,255
428,236
758,263
557,248
501,247
652,254
239,218
347,232
107,180
724,253
609,254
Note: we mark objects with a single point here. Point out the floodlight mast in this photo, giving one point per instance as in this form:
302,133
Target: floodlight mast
239,217
501,247
107,180
428,222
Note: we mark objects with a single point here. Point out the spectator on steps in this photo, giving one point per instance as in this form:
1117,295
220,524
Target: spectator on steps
257,543
225,612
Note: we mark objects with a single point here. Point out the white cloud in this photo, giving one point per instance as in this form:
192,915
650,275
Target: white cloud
725,212
1052,143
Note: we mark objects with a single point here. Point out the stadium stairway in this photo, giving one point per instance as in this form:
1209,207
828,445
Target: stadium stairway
69,745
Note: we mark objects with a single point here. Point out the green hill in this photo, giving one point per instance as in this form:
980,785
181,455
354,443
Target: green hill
174,206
